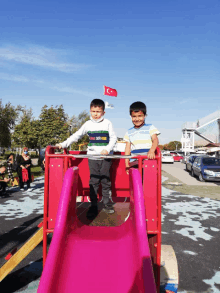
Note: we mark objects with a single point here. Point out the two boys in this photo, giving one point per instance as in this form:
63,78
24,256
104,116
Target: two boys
140,139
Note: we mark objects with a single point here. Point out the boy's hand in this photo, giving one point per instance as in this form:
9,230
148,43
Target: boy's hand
6,179
151,154
58,145
127,170
104,152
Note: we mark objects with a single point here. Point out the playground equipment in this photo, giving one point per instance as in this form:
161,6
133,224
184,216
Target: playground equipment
83,258
16,256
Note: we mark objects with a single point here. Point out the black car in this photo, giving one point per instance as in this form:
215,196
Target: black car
206,168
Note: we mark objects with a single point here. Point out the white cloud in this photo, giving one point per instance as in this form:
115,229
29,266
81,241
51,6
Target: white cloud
18,78
10,77
75,91
39,56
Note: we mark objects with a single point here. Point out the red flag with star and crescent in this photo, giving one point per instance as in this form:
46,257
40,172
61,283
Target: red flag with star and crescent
110,92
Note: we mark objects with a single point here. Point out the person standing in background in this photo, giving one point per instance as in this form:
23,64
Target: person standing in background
24,163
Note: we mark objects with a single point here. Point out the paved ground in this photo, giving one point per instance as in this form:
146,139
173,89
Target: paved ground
178,178
178,170
191,224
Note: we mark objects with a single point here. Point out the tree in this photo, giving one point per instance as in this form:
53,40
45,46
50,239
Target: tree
53,125
75,123
8,115
174,145
26,132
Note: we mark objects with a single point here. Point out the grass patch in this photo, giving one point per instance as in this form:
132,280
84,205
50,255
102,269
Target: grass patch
201,191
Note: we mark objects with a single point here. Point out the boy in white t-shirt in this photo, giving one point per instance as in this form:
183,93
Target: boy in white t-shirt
142,138
102,139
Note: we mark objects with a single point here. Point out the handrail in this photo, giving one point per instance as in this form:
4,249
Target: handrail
99,155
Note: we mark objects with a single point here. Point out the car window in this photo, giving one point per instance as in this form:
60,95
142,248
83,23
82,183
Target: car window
196,160
211,161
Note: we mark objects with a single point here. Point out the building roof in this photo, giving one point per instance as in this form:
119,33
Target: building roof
211,145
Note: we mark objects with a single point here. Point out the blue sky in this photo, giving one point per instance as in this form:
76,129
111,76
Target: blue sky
164,53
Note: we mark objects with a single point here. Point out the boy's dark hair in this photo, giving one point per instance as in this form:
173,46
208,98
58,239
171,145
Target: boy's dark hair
138,106
10,155
97,103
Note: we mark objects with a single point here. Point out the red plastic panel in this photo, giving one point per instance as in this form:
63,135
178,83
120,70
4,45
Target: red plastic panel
150,193
55,186
83,180
119,179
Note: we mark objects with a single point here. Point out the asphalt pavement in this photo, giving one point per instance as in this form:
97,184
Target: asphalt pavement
190,224
177,170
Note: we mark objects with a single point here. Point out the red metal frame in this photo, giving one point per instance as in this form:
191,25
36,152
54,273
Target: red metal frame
55,168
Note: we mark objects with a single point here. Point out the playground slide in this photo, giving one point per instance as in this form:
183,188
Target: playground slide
86,258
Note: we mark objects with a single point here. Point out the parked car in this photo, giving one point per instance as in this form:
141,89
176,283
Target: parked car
177,157
190,161
167,158
206,168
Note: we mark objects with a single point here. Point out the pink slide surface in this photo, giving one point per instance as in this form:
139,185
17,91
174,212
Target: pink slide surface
99,259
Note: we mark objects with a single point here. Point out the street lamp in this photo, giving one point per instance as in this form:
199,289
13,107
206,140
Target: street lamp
70,130
176,144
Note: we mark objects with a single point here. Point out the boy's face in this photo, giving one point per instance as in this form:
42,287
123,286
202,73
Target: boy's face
138,118
96,112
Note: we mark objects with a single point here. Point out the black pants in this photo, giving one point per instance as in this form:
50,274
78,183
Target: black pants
100,173
3,186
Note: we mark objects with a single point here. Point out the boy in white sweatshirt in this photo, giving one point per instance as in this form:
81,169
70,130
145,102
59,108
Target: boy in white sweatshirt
101,141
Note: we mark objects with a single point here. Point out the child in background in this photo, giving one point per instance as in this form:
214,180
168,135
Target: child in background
3,181
142,138
101,141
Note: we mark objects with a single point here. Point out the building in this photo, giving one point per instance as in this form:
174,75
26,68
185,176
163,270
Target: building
199,133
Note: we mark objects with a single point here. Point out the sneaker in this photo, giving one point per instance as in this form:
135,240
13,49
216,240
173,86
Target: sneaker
29,189
22,189
92,212
109,209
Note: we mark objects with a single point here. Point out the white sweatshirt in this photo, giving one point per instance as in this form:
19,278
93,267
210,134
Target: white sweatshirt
101,136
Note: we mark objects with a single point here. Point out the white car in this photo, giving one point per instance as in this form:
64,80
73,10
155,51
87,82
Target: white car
167,158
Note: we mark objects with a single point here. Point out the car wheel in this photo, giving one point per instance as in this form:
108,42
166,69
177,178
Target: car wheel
192,173
201,178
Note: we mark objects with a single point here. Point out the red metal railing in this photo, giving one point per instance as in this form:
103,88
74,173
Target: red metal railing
50,153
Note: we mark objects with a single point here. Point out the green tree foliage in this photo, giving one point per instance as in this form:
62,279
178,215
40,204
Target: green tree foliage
8,115
54,127
76,122
26,132
174,145
165,147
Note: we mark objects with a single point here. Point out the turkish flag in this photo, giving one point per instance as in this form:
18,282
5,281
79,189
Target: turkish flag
110,92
